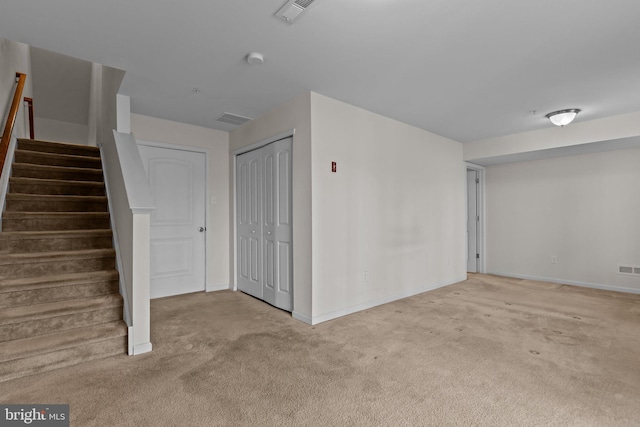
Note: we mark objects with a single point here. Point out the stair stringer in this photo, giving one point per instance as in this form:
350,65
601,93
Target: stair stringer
119,265
6,174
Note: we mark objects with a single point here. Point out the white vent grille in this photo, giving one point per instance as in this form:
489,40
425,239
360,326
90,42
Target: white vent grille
633,270
293,9
625,270
233,119
303,3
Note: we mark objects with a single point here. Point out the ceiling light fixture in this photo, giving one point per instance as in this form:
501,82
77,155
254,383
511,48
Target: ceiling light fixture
255,58
563,117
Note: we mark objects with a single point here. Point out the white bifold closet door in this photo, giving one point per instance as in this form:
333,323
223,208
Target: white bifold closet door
263,197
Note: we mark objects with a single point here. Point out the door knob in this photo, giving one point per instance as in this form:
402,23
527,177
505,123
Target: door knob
253,231
268,232
201,229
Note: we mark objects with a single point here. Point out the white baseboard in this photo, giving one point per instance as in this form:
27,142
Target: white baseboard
302,318
141,348
217,287
570,282
364,306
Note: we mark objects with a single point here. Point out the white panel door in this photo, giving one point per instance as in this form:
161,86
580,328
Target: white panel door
249,183
276,161
177,182
263,197
472,221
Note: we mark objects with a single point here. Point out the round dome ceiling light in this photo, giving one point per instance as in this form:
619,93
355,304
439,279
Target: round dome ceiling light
563,117
255,58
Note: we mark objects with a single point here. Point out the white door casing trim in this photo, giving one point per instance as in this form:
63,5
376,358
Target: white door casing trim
286,134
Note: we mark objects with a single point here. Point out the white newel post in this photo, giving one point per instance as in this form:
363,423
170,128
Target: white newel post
141,329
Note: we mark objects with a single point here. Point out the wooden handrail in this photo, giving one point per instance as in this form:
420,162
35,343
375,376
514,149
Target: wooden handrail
11,119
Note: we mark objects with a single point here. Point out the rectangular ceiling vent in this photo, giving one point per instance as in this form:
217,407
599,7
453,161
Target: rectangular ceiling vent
233,119
293,9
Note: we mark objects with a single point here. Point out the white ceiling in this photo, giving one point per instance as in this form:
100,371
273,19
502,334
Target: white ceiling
467,70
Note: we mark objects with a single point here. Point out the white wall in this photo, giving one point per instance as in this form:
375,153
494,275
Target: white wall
553,137
583,209
391,222
217,144
95,103
394,209
293,114
14,58
55,130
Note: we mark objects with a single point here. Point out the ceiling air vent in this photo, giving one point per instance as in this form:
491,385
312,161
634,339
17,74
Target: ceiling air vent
233,119
293,9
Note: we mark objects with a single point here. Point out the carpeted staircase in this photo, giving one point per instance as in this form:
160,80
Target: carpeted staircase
59,298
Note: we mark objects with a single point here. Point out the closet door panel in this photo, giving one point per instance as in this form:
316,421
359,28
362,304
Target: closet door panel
269,224
249,214
283,229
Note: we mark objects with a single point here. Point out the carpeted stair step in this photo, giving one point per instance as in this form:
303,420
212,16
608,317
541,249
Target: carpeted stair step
60,303
25,170
42,319
47,203
24,221
45,241
39,345
39,354
57,147
19,265
50,288
54,159
55,187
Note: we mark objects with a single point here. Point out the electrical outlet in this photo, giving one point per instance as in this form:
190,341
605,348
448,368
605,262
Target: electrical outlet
365,275
554,259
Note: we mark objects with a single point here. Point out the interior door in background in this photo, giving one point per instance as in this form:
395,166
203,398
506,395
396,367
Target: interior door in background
472,220
177,181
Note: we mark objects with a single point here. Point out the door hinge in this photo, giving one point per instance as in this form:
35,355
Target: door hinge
478,218
477,255
477,180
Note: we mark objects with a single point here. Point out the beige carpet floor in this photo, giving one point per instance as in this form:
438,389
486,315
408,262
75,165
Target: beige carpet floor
489,351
